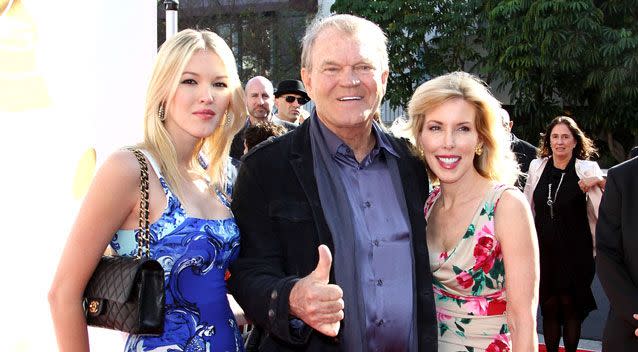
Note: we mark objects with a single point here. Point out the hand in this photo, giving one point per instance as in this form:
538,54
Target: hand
316,302
587,183
636,331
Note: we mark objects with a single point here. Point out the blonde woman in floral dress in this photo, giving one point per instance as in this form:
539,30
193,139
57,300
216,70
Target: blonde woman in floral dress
481,238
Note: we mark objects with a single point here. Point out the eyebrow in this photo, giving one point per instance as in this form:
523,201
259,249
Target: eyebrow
197,74
333,63
458,124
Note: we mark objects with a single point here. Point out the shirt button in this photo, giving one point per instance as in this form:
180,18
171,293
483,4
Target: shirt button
380,322
271,313
274,295
367,204
376,243
379,282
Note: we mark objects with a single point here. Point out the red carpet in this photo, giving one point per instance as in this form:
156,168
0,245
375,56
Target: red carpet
541,348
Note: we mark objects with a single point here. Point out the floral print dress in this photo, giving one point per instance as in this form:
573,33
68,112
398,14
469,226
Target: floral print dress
469,284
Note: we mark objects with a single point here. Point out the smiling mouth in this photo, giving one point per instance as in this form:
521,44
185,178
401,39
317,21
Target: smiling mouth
448,162
349,98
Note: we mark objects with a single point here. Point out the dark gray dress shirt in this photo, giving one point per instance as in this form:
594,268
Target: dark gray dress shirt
383,245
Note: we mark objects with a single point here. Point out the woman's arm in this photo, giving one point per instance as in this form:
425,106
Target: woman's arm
111,200
590,175
515,231
587,183
238,311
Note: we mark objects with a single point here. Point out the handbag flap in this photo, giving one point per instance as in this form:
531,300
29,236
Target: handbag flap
115,276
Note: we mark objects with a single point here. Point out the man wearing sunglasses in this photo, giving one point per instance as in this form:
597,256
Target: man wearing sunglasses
260,104
289,100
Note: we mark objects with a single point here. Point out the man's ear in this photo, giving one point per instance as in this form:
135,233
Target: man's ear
384,80
307,82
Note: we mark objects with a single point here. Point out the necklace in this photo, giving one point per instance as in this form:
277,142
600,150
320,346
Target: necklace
550,200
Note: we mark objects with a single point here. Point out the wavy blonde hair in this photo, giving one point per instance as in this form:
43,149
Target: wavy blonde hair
171,61
497,162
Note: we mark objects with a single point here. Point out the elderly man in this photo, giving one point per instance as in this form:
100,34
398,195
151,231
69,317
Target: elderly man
338,185
259,102
290,97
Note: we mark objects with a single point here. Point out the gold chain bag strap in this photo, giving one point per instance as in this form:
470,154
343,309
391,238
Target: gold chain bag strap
127,293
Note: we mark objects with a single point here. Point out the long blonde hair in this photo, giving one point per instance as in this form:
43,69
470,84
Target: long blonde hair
497,162
171,61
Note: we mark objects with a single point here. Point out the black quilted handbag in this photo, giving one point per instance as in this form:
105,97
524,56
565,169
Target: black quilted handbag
127,293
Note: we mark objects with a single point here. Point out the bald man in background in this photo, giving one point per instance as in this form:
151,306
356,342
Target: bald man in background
260,101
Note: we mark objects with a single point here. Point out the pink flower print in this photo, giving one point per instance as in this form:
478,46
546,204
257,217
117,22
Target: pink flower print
487,230
441,316
477,306
484,254
464,279
430,201
500,344
487,249
443,256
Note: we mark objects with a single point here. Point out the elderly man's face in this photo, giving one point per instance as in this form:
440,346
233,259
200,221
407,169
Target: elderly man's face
346,81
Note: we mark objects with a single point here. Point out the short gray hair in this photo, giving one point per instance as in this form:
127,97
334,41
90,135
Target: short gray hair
347,24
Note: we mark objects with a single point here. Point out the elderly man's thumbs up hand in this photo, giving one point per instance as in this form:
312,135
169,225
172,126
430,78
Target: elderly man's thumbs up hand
315,301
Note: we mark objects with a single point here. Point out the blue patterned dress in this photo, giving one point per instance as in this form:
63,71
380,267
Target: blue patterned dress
195,254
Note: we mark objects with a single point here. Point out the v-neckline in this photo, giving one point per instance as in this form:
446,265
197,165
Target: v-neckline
475,215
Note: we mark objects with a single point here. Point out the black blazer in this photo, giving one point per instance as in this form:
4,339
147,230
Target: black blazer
277,207
525,153
617,255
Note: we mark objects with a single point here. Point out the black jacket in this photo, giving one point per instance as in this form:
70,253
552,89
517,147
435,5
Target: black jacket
616,255
525,153
277,207
237,145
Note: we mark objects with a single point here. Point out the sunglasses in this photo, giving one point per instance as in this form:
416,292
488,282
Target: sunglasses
300,100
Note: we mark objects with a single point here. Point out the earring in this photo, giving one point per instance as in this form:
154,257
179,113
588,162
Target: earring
478,150
161,115
227,119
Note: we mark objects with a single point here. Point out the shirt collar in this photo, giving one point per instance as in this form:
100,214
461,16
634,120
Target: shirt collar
336,145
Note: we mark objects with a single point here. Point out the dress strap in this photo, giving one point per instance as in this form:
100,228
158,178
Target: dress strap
497,192
157,169
222,197
429,203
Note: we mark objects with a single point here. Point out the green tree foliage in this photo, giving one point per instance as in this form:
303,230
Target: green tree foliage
426,38
576,57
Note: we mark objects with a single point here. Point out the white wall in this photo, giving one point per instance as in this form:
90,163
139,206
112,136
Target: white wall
83,86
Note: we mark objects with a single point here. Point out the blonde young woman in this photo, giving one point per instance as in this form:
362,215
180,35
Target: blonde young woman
193,108
480,234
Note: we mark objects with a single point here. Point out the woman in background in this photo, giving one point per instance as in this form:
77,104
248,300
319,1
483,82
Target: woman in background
564,190
480,236
194,106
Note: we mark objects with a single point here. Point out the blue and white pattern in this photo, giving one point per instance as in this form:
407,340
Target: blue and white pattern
195,254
